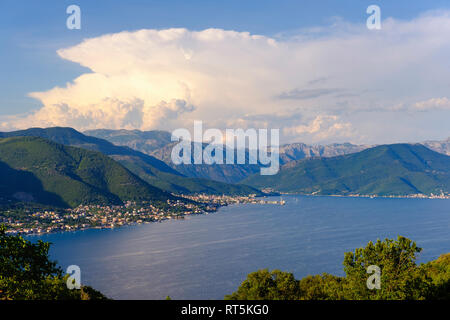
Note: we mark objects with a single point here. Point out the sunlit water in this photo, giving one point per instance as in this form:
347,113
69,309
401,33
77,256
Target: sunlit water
208,256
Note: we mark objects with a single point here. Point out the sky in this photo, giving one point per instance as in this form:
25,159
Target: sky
311,69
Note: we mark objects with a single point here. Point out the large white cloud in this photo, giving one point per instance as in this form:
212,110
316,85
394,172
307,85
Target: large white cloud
316,86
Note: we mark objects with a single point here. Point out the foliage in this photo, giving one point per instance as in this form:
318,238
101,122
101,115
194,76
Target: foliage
321,287
52,174
265,285
439,272
27,273
401,278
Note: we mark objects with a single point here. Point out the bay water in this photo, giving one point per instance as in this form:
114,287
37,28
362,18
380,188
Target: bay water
208,256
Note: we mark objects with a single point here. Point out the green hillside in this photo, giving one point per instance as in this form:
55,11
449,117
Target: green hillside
148,168
71,137
398,169
39,170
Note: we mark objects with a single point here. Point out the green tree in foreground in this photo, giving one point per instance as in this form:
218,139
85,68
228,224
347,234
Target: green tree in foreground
439,271
27,273
265,285
401,278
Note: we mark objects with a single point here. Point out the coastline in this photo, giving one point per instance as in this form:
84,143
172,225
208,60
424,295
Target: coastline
205,204
214,206
411,196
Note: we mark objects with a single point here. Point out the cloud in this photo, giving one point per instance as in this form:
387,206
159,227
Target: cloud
300,94
321,128
108,113
8,122
316,81
433,104
335,78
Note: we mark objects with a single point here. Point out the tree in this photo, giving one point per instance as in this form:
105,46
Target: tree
400,277
265,285
27,273
439,271
322,287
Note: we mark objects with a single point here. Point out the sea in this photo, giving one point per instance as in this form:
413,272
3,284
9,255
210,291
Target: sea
208,256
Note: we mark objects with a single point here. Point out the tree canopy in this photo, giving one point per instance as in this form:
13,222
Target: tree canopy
27,273
400,277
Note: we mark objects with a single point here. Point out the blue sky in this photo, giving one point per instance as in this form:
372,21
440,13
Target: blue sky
31,32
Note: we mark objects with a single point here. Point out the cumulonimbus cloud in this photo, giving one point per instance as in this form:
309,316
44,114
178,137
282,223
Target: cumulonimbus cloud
322,84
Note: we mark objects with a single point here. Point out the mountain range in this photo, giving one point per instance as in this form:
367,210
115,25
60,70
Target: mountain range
144,141
64,167
153,171
397,169
159,145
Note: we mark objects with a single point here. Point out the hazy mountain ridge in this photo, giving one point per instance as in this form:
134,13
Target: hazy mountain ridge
229,173
439,146
297,151
144,141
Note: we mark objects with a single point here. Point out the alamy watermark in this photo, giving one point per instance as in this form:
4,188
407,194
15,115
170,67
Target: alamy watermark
374,281
233,145
74,279
74,20
374,20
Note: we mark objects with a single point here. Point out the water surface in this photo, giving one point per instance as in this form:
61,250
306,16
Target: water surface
208,256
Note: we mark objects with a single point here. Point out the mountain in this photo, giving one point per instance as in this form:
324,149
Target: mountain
159,145
161,148
439,146
182,184
229,173
148,168
42,171
144,141
298,151
397,169
71,137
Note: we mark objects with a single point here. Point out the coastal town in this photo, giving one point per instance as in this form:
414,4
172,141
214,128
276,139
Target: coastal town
408,196
441,195
36,221
223,200
97,216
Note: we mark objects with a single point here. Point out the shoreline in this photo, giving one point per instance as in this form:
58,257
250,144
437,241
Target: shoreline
413,196
209,204
237,200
